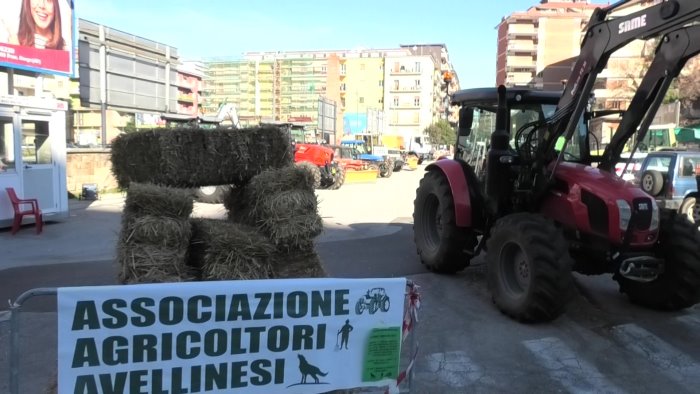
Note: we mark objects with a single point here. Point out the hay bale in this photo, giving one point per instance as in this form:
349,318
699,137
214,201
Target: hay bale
226,251
145,263
265,184
298,265
156,231
187,157
153,249
288,218
149,199
281,204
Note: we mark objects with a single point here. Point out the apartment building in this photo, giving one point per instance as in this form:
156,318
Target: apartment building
409,94
537,47
287,87
189,86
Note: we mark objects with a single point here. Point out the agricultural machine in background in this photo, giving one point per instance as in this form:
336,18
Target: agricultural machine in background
544,206
384,165
320,160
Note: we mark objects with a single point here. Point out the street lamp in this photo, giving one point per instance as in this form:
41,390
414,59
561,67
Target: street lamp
447,78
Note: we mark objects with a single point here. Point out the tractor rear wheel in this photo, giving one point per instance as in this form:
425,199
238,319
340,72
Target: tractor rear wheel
529,268
338,179
442,246
678,287
315,172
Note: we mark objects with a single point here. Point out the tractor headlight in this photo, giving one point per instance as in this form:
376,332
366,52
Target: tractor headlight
655,218
625,212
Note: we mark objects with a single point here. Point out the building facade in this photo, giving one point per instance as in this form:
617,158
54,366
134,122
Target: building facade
538,47
288,87
189,86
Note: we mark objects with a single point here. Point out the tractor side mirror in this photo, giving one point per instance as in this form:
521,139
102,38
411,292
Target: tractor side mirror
466,117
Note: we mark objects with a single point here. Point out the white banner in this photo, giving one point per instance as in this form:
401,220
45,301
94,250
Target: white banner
262,336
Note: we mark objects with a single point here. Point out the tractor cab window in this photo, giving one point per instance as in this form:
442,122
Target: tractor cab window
573,149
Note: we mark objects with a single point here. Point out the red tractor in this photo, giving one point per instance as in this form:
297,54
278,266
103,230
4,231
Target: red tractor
320,161
543,205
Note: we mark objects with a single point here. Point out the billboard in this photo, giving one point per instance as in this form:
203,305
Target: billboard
355,123
38,36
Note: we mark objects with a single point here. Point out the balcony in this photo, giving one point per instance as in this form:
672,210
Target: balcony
405,71
521,50
185,98
406,89
521,68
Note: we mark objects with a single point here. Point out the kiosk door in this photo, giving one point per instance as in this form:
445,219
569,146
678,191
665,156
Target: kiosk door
38,164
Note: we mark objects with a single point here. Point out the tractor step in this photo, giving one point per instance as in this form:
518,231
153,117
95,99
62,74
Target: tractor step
642,268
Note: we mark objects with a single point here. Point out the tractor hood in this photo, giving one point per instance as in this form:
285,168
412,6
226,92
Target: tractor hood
603,184
597,202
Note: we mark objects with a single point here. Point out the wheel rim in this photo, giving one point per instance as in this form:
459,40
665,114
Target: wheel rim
515,270
693,212
432,222
647,183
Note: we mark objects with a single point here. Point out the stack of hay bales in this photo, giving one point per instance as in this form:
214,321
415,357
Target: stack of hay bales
282,204
273,217
155,235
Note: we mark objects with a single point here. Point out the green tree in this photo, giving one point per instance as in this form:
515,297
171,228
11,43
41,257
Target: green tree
441,133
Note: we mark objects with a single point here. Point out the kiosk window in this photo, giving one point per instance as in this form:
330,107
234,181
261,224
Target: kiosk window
7,145
36,144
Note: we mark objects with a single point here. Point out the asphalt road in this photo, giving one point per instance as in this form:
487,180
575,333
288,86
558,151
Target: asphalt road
602,343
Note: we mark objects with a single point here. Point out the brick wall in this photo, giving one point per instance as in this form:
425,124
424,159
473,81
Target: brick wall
89,166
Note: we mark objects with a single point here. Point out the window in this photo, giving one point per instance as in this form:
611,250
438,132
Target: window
396,84
381,100
688,166
362,100
396,101
417,69
36,144
7,145
381,83
416,101
660,164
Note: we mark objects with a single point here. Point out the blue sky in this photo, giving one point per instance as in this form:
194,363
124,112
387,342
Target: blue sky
227,28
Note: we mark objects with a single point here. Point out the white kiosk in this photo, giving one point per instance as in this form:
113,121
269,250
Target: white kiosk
33,154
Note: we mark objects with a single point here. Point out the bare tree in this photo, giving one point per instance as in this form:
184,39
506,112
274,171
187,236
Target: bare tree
688,83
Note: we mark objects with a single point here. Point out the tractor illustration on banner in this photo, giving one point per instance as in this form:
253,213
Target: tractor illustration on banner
374,300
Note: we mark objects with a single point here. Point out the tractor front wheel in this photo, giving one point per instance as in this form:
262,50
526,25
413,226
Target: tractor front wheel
529,268
678,287
691,209
442,246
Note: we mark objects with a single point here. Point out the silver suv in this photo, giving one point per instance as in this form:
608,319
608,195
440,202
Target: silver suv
671,178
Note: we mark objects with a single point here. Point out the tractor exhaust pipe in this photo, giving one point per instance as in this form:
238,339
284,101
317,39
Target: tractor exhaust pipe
498,182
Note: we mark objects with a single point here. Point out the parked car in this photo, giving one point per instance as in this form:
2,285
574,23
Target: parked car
629,167
670,177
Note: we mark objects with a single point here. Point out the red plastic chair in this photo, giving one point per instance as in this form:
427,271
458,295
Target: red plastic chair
22,207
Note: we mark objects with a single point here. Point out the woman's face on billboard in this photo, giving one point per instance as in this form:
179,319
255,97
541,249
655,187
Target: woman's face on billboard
42,13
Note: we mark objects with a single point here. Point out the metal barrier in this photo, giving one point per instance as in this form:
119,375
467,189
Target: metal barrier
14,331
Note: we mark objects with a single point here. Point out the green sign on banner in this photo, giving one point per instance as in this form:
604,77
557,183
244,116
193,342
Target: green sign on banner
382,354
